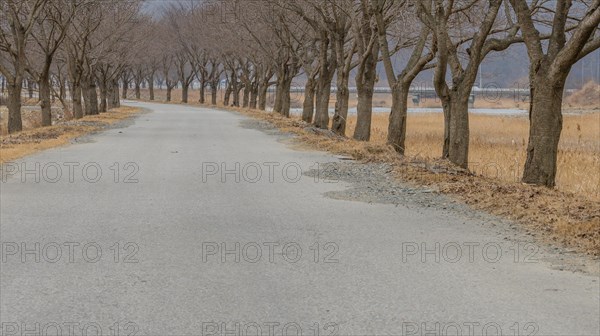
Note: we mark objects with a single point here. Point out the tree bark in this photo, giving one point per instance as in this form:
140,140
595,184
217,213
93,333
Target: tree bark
184,92
262,95
125,87
213,93
227,96
15,123
458,149
286,96
323,96
254,95
151,86
327,65
45,103
246,97
76,100
87,106
341,108
447,110
110,96
92,97
202,99
366,77
138,91
364,109
103,96
278,104
398,116
236,94
544,131
169,92
344,59
116,100
308,107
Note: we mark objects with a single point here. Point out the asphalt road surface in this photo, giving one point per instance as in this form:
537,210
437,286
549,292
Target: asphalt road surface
188,222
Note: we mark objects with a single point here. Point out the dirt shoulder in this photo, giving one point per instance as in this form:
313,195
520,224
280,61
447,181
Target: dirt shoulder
560,219
18,145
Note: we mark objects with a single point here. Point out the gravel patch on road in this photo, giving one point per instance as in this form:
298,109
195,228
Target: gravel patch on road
266,127
377,183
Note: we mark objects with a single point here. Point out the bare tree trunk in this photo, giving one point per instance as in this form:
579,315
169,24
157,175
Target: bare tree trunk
15,123
397,126
213,93
76,100
286,96
103,96
327,67
344,59
85,88
151,86
308,107
116,100
447,109
63,89
169,92
227,96
544,132
236,92
254,95
184,92
202,99
278,104
458,150
45,103
125,87
92,97
341,105
263,90
138,92
246,97
323,95
111,95
365,79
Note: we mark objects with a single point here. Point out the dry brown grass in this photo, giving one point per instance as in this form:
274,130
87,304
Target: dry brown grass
498,144
568,216
32,140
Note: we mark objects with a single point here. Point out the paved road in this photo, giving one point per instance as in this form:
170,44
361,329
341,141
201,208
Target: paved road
158,255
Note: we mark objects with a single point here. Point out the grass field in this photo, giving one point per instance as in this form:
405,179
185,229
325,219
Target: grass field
498,144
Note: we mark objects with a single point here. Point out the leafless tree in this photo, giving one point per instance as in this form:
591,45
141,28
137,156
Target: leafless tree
574,33
471,30
17,20
49,32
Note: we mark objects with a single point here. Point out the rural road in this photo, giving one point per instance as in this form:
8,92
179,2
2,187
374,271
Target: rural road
217,232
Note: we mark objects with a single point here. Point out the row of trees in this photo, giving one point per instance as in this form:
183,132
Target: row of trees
79,44
255,45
